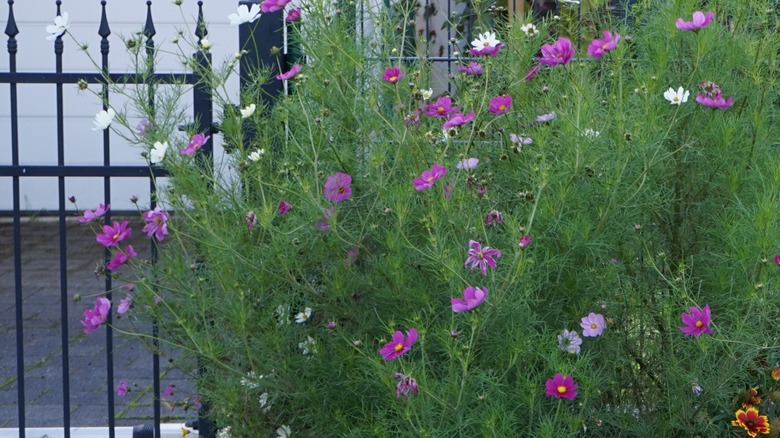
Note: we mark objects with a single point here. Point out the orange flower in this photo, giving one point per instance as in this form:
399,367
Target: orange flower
751,422
776,372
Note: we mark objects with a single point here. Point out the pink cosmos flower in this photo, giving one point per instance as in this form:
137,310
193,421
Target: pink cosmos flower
524,241
699,20
543,118
458,119
777,259
399,345
561,387
294,70
196,144
429,177
273,5
121,389
124,304
472,69
696,322
142,128
715,102
532,72
283,208
120,258
393,74
406,385
486,50
113,234
593,325
169,389
472,297
467,163
96,316
447,192
441,108
90,216
413,118
293,16
323,222
482,257
520,140
352,255
156,224
500,104
559,53
598,47
494,217
337,187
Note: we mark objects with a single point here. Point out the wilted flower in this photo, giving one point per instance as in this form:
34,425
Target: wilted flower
494,217
598,48
750,398
500,104
250,220
561,387
293,16
96,316
124,304
696,322
532,72
352,255
472,68
294,70
677,97
406,385
593,325
59,27
392,75
103,119
429,177
283,208
482,257
569,341
399,345
337,187
559,53
413,118
309,346
245,15
699,20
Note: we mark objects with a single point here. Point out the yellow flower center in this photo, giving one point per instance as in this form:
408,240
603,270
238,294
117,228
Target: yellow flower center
593,325
399,347
440,110
429,179
676,99
196,146
116,236
604,47
561,389
486,44
393,78
699,323
501,107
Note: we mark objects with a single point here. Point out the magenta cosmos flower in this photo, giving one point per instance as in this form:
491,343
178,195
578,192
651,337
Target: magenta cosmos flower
96,316
593,325
561,387
429,177
559,53
777,259
286,76
393,74
273,5
121,389
500,104
196,143
405,386
99,212
120,258
472,297
699,20
458,119
598,47
337,187
532,72
525,241
293,16
494,217
715,102
156,223
399,345
441,108
113,234
472,69
482,257
696,322
283,208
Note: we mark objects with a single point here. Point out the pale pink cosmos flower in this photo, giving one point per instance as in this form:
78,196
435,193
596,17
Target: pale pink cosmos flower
472,297
143,127
467,163
323,223
89,216
699,20
293,16
392,75
482,257
472,69
500,104
494,217
156,223
121,388
113,234
294,70
337,187
561,52
429,177
593,325
441,108
405,386
120,258
520,140
124,304
561,387
696,322
598,48
96,316
283,208
458,119
532,72
196,143
413,118
399,345
543,118
273,5
524,241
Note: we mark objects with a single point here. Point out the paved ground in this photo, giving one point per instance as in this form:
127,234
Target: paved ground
42,332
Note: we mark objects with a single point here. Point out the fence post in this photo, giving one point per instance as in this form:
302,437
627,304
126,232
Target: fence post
263,41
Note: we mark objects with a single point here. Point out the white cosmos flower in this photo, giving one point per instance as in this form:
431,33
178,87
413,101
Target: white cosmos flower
283,432
590,133
245,15
103,119
303,316
59,27
487,39
677,97
157,153
205,44
264,403
426,94
308,346
257,155
529,29
247,111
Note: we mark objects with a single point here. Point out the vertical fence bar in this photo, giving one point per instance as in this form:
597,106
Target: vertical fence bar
11,30
257,39
104,31
58,49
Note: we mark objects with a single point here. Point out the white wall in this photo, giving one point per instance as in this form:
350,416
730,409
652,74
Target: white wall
37,104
